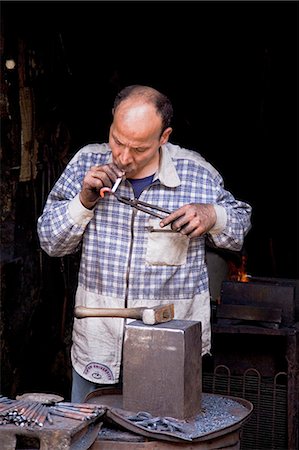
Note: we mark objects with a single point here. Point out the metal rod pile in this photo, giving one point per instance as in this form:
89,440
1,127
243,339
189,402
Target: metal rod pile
29,413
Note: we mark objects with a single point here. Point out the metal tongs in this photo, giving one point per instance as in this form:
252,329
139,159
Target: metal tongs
143,206
138,204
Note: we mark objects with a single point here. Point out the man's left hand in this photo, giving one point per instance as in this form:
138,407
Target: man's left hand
192,220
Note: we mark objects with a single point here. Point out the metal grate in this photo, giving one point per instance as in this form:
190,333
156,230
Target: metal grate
267,428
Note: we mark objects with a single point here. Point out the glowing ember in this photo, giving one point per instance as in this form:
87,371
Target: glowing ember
238,272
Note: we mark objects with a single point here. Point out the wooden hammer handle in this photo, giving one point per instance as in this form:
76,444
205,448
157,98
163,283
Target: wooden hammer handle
125,313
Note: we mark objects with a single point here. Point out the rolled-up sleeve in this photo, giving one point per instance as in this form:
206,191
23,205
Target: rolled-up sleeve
233,220
64,219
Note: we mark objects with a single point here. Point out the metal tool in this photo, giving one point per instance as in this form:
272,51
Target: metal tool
134,203
149,316
143,206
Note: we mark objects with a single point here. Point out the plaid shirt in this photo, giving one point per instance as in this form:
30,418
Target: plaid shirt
127,259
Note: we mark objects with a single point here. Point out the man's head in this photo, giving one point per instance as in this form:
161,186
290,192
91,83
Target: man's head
141,124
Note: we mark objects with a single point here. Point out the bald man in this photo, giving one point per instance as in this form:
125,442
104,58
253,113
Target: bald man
128,257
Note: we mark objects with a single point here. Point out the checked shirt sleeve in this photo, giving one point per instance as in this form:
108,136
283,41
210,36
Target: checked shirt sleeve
233,219
64,219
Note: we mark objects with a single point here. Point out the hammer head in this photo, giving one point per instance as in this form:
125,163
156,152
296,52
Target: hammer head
158,314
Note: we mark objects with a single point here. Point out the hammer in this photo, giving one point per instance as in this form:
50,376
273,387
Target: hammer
149,316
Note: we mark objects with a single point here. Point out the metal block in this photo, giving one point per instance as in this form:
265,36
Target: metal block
162,368
262,295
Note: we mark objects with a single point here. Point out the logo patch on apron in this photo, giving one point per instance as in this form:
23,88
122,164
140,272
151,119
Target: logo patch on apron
99,372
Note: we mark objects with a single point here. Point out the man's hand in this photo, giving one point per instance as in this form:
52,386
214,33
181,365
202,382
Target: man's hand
192,220
95,179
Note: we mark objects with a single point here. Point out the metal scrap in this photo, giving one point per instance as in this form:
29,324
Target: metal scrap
161,424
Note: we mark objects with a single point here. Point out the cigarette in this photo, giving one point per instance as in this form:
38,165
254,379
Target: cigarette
116,184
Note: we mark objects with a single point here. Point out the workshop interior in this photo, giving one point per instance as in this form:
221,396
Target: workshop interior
231,72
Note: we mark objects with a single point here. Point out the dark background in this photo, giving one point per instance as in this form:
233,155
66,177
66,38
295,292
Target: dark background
231,70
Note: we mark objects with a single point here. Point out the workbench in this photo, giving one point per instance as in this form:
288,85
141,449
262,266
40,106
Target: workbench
63,434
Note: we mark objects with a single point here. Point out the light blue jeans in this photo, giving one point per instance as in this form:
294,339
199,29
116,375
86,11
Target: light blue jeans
81,387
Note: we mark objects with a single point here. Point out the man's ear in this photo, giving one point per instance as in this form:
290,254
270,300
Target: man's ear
165,135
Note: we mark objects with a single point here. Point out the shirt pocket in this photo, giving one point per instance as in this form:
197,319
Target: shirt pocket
165,247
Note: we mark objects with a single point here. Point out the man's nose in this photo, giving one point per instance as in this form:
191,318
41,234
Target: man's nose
125,156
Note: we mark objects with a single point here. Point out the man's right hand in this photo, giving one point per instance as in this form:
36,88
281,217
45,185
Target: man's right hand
96,178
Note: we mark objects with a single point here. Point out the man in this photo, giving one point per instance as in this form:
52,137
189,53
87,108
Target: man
129,258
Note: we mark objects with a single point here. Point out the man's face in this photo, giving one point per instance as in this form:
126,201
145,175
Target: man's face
135,139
